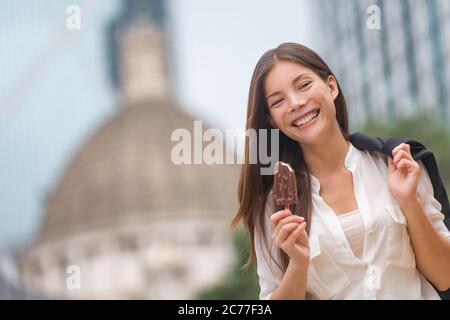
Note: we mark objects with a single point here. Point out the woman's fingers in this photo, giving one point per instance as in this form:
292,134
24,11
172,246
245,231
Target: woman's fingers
401,146
407,164
288,219
277,216
287,226
290,241
402,154
296,233
397,148
284,233
402,151
302,239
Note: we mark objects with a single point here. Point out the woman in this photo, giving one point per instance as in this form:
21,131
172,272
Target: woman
366,227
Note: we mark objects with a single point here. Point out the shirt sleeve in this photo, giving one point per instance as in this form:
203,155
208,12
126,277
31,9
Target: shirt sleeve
269,273
432,207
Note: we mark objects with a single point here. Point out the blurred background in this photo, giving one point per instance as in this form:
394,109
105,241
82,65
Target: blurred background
91,205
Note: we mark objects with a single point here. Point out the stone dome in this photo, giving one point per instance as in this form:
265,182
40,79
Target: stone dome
125,170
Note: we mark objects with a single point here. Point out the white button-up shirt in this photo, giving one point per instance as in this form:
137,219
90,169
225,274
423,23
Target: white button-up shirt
387,269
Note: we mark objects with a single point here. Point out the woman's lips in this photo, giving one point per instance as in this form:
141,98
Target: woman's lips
309,123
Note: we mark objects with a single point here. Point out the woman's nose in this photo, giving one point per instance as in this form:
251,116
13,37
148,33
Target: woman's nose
296,103
294,107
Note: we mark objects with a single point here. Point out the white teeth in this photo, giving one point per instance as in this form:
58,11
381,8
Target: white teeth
307,119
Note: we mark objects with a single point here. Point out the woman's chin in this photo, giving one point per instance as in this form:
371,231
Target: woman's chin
309,135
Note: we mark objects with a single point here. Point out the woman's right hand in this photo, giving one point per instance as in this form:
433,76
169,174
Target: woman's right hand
290,236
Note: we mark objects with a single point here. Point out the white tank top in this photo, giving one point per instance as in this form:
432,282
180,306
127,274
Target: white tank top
353,227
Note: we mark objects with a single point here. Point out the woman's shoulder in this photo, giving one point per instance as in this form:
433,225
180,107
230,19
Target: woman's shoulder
376,157
375,161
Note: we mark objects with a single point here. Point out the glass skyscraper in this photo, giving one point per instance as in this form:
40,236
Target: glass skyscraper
398,69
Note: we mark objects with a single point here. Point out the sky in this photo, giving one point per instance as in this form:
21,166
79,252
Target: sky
53,93
216,47
54,90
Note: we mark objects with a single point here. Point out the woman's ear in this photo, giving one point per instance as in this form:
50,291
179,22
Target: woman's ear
332,85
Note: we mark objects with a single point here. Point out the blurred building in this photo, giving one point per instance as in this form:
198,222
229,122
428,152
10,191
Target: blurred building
136,225
396,70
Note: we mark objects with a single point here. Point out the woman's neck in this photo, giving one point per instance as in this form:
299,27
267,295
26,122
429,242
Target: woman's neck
326,158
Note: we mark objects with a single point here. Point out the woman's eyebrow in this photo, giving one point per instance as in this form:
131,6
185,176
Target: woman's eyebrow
299,77
293,81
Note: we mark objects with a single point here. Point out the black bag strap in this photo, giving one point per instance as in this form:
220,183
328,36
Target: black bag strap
366,142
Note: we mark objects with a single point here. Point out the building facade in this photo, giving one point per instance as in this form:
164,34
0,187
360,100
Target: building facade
124,221
398,69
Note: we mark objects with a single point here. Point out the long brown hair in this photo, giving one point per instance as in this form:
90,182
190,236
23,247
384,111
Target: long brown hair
254,188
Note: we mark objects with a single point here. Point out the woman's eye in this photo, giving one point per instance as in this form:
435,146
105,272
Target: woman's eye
304,85
276,103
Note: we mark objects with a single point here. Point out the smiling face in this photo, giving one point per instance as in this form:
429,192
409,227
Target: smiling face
301,104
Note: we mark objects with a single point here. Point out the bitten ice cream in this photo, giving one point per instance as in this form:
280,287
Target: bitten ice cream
285,185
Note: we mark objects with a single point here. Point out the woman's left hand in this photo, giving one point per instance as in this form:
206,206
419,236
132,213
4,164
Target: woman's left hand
404,173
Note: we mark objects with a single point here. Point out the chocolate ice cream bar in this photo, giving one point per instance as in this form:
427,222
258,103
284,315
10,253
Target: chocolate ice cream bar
285,185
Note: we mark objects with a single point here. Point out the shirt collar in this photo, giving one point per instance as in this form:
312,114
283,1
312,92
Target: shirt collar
352,161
